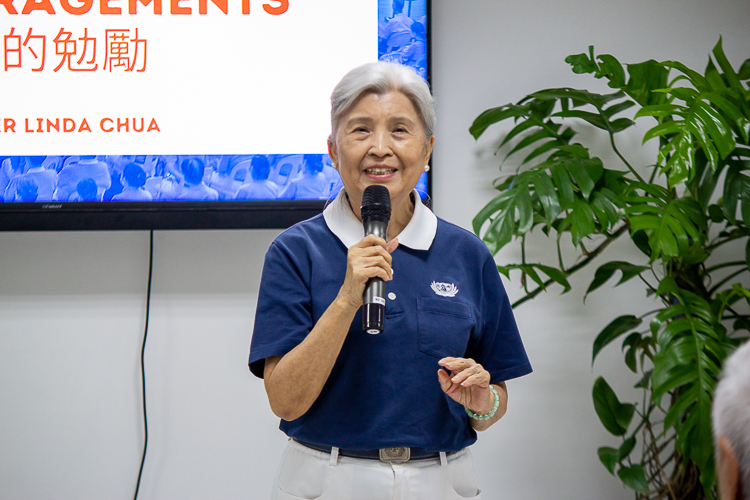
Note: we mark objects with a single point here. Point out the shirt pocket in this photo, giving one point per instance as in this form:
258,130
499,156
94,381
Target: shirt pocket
444,327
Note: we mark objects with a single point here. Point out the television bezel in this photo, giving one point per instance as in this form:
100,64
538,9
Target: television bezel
164,215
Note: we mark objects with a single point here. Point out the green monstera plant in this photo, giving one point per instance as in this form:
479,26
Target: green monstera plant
693,200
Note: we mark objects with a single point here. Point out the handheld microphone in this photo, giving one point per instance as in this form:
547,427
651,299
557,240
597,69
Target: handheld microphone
376,213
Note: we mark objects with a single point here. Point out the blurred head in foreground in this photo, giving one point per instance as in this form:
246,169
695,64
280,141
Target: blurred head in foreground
731,422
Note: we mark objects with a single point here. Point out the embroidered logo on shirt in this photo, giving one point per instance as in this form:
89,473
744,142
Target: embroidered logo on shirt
444,289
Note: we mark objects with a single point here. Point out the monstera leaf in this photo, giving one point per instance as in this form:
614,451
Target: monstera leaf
686,365
569,187
699,122
672,224
708,116
737,193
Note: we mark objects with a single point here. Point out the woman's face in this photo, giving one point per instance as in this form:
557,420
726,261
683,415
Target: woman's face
381,140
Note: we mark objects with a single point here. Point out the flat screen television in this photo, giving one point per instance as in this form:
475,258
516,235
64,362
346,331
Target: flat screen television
183,114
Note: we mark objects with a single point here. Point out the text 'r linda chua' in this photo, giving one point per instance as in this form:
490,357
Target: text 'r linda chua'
78,125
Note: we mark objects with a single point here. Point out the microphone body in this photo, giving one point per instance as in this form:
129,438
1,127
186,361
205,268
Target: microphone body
376,213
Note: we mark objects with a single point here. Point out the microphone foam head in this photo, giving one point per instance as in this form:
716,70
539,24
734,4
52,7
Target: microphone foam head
376,201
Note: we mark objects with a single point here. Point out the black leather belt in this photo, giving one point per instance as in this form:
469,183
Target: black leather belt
399,454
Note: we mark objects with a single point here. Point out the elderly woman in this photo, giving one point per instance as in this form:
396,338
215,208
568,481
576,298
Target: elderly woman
387,416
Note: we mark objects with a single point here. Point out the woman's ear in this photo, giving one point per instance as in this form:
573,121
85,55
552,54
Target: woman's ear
727,470
333,153
428,150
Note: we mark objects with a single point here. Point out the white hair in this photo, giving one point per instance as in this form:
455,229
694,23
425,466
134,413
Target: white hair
731,410
381,78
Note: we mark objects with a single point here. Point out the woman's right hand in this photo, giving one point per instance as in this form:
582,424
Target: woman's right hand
370,258
294,381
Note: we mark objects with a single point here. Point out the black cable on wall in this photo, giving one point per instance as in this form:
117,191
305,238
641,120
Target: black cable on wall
143,366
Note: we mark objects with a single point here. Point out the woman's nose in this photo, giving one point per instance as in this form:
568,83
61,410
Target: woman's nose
381,144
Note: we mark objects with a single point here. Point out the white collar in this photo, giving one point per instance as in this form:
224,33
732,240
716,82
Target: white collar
417,235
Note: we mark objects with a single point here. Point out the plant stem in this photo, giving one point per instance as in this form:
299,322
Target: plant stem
544,125
654,452
653,174
559,254
720,283
735,314
523,261
649,313
590,256
650,287
718,243
658,463
726,264
627,164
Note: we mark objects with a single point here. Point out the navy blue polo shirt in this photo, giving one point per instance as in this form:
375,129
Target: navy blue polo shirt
445,299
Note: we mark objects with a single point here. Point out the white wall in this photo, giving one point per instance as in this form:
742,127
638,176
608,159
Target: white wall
72,305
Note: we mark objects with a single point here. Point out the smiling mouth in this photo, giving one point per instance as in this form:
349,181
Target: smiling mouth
380,171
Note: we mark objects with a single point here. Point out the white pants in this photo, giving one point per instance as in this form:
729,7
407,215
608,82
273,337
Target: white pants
307,474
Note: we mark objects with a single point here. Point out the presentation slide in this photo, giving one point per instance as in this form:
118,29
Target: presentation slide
158,100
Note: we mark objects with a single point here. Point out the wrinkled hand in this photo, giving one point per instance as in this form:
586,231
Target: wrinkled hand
468,384
369,258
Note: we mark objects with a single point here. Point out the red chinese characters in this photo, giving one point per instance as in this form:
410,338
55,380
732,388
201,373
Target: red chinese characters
124,50
14,47
67,48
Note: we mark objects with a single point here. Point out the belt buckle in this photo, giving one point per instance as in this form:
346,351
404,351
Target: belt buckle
397,455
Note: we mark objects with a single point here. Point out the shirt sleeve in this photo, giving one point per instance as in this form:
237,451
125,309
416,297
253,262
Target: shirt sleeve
283,317
498,348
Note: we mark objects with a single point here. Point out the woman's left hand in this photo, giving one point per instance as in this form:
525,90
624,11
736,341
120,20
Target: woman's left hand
468,384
